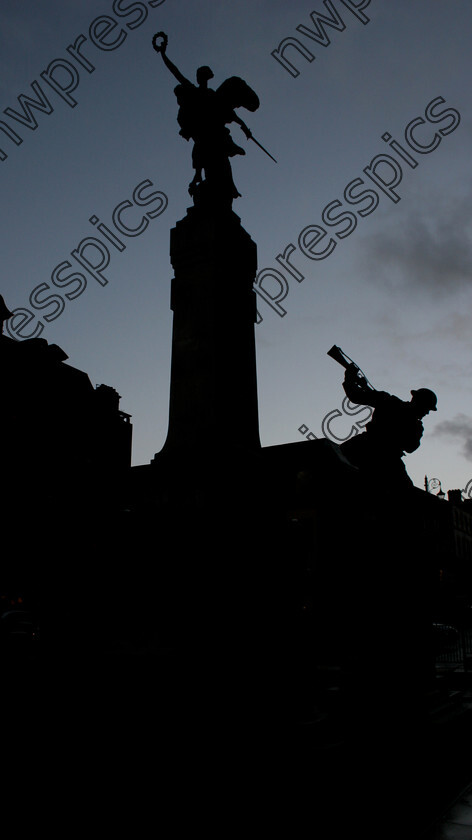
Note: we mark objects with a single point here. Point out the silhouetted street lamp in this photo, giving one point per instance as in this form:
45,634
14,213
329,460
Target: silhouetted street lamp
432,484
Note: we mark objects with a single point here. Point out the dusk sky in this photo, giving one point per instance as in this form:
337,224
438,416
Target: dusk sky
368,207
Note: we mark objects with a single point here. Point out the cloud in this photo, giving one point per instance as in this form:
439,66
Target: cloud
427,250
458,429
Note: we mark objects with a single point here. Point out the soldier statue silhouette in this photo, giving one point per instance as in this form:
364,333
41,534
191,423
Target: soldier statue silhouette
396,426
203,116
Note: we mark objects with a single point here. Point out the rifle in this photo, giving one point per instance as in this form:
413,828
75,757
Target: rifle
342,359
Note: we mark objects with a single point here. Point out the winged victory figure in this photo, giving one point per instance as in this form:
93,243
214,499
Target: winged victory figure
203,117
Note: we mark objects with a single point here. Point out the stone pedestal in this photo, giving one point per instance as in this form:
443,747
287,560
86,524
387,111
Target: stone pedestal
213,389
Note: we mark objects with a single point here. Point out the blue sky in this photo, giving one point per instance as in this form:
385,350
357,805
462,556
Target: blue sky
395,291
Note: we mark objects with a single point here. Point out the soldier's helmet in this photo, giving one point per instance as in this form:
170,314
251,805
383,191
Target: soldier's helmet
426,397
204,73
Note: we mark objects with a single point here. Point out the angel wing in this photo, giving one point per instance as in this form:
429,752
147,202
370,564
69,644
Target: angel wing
236,93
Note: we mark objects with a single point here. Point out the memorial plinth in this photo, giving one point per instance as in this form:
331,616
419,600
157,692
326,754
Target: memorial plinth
213,388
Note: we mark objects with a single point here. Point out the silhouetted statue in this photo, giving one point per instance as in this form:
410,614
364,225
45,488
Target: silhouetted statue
203,115
395,428
4,313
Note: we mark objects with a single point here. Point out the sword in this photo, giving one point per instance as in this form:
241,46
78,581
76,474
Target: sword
261,147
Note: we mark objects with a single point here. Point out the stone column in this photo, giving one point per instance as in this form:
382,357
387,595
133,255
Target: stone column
213,388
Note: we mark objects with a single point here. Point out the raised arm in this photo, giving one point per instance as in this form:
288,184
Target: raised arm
161,48
357,389
174,70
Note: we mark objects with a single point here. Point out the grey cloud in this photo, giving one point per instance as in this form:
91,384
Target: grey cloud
458,429
428,249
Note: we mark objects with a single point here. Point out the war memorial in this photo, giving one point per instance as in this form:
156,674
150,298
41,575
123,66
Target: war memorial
283,626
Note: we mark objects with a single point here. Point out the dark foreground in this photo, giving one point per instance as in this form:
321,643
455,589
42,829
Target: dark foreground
229,749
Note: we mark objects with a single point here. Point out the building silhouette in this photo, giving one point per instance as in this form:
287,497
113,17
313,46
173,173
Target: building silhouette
66,451
283,555
447,526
